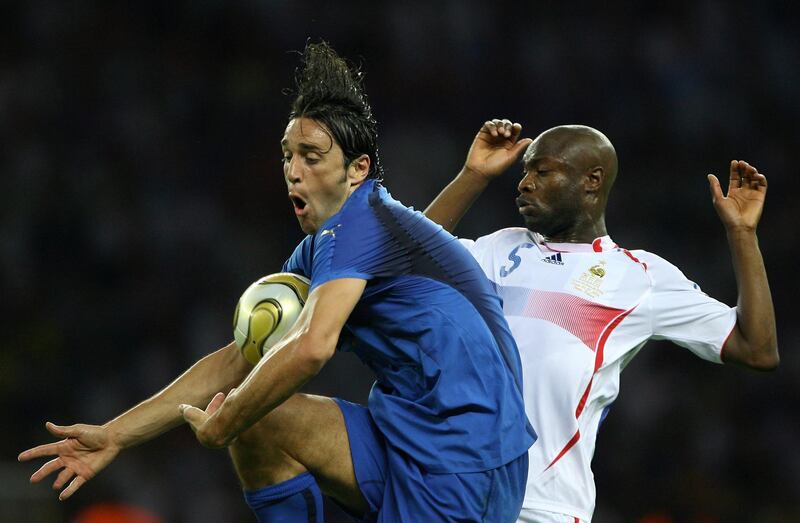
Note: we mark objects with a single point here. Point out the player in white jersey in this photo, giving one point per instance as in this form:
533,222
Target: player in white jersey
580,306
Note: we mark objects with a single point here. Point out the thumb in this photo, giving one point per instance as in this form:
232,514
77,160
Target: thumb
520,146
192,415
716,189
62,432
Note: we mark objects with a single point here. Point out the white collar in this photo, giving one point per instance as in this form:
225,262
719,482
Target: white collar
603,243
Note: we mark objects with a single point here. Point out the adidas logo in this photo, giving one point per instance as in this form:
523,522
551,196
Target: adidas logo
554,259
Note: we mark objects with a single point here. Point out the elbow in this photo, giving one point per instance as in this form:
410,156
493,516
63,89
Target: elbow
768,363
312,353
765,359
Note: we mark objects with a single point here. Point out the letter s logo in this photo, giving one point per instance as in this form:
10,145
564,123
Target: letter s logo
514,259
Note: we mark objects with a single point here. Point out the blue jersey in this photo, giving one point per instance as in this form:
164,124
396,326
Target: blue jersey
429,324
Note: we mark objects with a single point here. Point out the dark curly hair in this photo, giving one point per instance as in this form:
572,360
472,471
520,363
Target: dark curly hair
330,91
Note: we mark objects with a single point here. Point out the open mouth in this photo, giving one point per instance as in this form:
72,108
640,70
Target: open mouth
298,203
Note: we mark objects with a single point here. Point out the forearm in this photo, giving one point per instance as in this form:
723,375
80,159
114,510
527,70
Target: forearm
755,313
220,370
454,201
278,375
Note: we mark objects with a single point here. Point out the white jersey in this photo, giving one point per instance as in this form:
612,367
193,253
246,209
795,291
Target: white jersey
579,313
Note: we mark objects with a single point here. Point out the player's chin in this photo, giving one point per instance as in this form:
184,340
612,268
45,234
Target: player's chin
306,225
531,223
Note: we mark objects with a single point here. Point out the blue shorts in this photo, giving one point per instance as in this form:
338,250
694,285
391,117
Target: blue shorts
397,489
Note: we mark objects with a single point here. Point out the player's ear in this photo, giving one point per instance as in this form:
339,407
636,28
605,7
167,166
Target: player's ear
358,170
594,179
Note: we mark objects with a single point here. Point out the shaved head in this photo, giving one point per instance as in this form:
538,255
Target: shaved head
568,173
581,147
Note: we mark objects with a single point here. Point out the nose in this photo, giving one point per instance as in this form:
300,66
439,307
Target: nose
291,171
527,184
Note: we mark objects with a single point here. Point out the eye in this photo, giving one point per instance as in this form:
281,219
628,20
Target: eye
310,160
286,158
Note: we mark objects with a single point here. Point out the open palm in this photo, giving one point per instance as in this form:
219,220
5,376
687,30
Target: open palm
84,451
747,189
495,148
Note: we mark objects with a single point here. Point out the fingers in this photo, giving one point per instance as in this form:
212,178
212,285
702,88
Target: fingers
215,403
758,182
502,128
751,177
716,189
62,478
735,179
48,449
46,469
70,490
744,175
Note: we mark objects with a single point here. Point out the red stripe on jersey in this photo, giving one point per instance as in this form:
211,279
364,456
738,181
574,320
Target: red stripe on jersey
596,245
725,343
584,319
598,361
634,258
582,402
571,443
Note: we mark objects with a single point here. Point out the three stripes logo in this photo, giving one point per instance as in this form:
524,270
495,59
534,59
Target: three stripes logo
555,259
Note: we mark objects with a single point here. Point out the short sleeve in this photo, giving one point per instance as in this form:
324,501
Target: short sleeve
340,254
360,242
469,244
684,314
483,250
300,260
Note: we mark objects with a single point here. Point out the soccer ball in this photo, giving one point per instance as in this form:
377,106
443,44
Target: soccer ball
266,311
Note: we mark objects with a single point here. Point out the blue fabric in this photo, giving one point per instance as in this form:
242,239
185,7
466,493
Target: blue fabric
398,489
429,324
297,500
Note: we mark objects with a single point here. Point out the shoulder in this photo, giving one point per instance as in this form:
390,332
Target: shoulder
654,262
504,236
664,274
299,261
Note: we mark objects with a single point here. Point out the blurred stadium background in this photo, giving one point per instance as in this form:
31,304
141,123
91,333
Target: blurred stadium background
141,192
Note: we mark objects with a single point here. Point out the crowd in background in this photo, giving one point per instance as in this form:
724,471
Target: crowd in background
141,191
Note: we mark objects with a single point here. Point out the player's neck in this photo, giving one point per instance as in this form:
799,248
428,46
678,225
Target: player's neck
580,232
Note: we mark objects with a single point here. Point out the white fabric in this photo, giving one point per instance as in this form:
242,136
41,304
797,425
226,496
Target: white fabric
578,317
542,516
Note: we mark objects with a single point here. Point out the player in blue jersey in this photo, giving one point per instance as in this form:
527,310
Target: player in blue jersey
444,436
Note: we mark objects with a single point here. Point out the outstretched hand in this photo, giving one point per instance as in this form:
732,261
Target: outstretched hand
495,148
84,451
198,420
747,189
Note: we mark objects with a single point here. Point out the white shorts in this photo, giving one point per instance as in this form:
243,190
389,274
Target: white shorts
542,516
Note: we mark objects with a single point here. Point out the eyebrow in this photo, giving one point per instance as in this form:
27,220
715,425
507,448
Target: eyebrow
304,146
546,160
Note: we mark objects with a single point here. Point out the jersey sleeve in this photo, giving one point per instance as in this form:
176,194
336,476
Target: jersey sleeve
357,243
469,244
684,314
300,260
481,246
340,255
483,250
